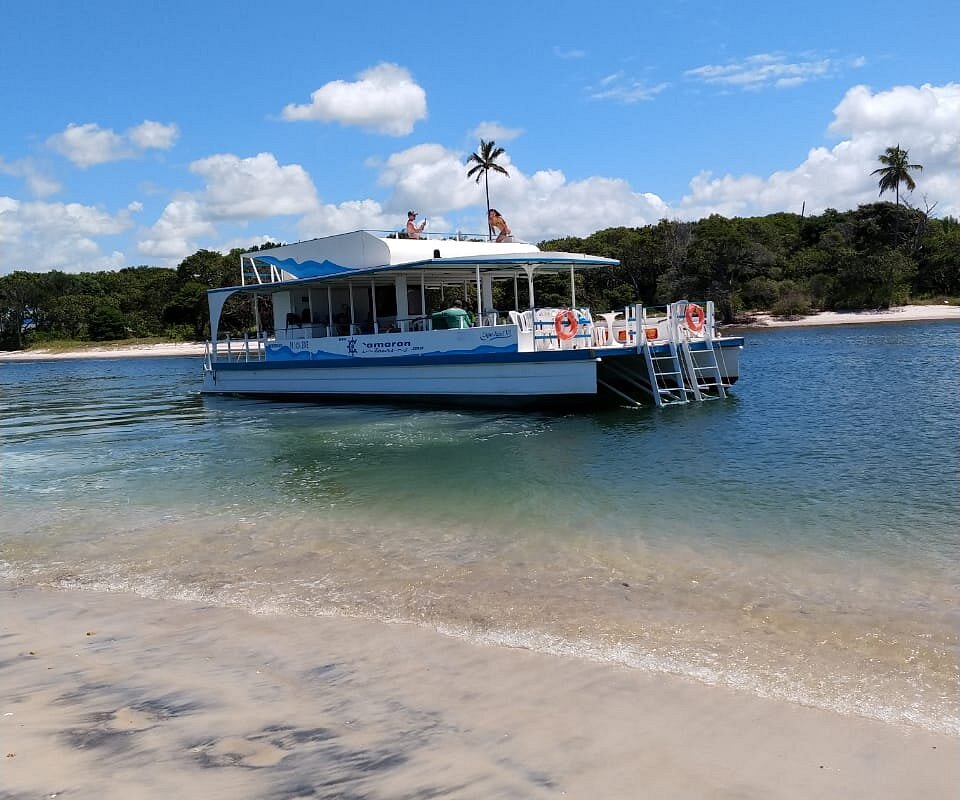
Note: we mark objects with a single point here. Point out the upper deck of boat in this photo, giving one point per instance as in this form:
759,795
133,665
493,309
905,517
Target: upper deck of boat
347,254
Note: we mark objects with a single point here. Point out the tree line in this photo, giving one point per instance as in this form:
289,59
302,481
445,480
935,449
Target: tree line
878,255
136,302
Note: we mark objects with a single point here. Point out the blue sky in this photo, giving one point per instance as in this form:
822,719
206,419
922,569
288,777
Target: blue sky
135,135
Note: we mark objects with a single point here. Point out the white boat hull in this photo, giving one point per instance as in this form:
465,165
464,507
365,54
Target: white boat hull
495,381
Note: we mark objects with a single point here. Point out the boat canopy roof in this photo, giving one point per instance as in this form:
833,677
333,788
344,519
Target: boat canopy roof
362,253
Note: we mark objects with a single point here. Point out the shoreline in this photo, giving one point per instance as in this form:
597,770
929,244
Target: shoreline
911,313
105,694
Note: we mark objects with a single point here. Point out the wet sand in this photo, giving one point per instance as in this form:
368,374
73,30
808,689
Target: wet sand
110,696
900,314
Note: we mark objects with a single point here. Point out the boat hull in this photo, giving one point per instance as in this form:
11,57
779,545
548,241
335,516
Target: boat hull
502,382
503,379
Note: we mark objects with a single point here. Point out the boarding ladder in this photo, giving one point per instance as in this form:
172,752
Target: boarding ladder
702,376
674,375
678,362
667,374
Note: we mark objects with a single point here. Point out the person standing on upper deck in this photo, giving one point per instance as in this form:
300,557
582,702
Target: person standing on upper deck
499,224
414,230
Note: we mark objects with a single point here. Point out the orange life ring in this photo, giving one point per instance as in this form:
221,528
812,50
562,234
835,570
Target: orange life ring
694,317
568,317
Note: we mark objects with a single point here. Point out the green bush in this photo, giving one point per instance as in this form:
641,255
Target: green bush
793,303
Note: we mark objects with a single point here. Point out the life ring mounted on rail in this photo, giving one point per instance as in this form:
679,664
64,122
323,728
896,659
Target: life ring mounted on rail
566,325
694,317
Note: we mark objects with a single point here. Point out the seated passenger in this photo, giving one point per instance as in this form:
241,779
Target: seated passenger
413,230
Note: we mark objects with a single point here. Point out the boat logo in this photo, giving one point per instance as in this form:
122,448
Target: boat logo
486,336
352,346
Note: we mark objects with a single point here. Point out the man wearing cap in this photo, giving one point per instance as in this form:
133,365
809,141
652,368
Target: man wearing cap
413,231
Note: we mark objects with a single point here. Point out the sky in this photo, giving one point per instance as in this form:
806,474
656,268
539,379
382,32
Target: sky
136,134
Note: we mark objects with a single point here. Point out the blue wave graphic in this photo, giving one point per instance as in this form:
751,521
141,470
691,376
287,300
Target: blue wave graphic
307,269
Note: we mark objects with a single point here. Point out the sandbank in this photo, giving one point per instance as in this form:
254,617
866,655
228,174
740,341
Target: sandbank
116,696
928,313
106,351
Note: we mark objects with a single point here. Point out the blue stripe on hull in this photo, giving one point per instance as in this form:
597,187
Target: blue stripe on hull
461,358
414,361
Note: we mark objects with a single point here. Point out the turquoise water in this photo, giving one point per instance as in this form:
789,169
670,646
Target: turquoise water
798,539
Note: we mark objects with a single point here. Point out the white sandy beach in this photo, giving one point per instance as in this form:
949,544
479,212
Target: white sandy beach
929,313
899,314
109,696
107,351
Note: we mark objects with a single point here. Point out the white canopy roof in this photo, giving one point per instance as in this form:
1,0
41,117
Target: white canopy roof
361,250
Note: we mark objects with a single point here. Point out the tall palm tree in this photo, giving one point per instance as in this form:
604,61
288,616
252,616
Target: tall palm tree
896,170
485,160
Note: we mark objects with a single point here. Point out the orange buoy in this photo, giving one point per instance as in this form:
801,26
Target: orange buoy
694,317
566,324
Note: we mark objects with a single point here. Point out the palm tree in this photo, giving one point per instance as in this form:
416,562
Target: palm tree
896,170
485,160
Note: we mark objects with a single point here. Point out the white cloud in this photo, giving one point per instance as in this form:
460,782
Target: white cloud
236,190
625,89
495,131
432,180
765,70
384,99
429,178
38,184
175,235
154,135
922,120
39,236
253,188
574,53
88,145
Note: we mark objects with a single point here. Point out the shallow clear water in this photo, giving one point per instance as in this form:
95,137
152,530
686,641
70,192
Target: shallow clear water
797,540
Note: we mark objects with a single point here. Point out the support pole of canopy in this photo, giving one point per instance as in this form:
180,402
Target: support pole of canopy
373,304
529,271
402,302
329,310
487,281
353,316
516,293
423,295
573,289
479,298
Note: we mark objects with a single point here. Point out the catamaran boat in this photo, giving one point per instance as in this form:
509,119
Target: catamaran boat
366,315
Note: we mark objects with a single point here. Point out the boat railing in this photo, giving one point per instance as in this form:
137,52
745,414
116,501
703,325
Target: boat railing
559,328
230,348
255,273
442,236
678,322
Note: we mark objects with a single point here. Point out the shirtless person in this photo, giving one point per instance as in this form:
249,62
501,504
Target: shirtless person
499,224
413,230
